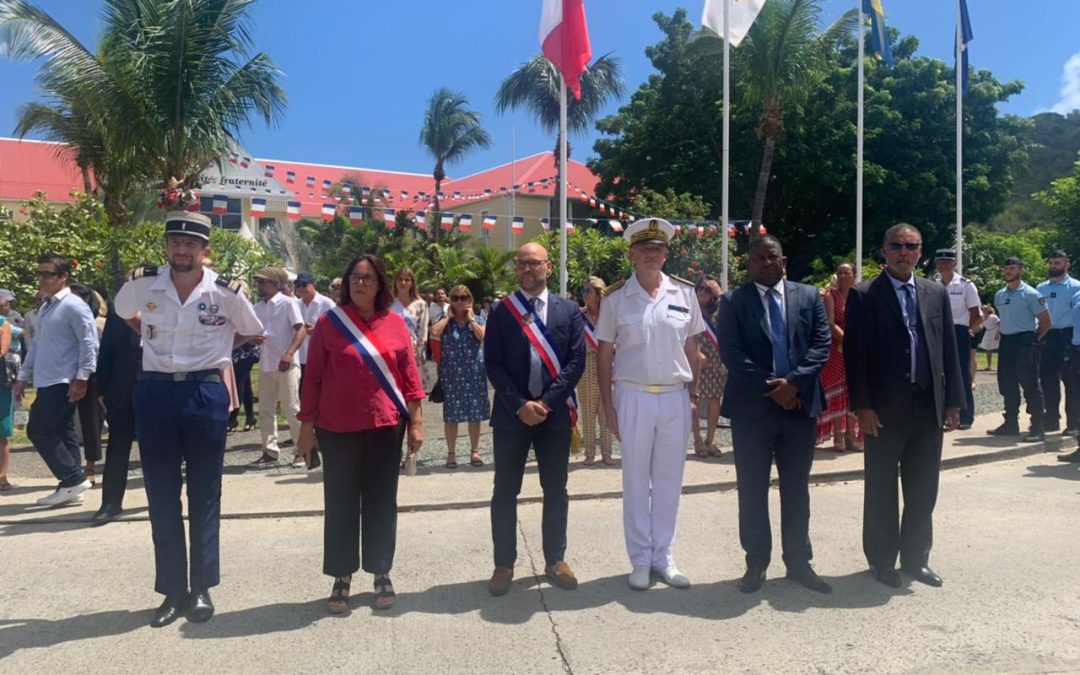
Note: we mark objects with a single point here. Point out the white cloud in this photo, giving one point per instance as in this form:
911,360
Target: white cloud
1070,87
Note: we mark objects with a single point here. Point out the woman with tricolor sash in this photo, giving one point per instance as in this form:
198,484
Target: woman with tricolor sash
592,412
361,396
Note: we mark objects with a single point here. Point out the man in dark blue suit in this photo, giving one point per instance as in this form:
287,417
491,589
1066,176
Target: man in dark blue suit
530,409
774,339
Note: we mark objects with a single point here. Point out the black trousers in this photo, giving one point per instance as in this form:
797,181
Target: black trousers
360,482
963,349
117,454
51,428
1018,368
786,437
90,418
914,450
552,447
242,372
1052,375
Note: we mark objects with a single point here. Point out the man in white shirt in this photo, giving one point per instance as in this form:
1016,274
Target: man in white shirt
966,316
312,305
438,309
279,373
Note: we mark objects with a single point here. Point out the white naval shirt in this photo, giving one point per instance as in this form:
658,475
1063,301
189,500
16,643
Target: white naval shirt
963,296
650,334
320,304
279,316
194,335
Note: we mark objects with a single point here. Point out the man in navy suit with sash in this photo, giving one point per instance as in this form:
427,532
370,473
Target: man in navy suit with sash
534,353
774,339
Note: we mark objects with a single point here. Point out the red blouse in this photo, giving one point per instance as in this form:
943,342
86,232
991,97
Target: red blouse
340,392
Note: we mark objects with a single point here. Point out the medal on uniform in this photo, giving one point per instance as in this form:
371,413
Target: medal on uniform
214,309
202,306
151,306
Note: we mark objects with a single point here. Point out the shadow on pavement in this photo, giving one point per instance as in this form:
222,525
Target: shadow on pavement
59,520
278,618
16,634
1065,471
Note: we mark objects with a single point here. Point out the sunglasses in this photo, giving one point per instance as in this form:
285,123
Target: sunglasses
907,246
459,298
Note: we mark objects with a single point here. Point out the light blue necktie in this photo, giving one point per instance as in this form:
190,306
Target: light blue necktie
778,330
536,375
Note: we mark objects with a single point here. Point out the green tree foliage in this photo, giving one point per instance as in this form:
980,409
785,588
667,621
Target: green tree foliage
589,253
80,232
449,132
666,137
670,205
1062,200
1052,143
985,253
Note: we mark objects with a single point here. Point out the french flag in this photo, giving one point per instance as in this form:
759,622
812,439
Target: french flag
293,210
290,176
221,205
404,194
356,215
326,184
569,227
564,39
615,225
390,218
346,189
232,159
544,223
517,226
311,181
447,221
489,222
328,211
465,223
420,217
244,162
258,206
268,170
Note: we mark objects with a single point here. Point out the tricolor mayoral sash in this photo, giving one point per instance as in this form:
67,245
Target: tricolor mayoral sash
710,334
361,338
538,336
590,332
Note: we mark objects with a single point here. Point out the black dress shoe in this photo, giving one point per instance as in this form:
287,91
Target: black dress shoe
106,514
1034,436
171,609
807,577
886,575
202,608
1073,457
753,579
1006,429
964,426
924,575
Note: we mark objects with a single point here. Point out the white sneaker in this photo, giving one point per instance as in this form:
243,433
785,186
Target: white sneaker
65,495
639,578
673,577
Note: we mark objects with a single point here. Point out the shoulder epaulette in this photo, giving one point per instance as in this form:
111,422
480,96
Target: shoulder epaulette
613,287
234,285
144,271
681,280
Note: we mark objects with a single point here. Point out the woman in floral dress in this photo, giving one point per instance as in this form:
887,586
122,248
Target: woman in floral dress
592,413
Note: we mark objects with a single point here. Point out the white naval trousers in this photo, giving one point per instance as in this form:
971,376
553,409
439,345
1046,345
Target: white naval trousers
655,430
278,387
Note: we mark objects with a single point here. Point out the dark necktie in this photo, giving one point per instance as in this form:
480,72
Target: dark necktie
920,374
536,376
778,334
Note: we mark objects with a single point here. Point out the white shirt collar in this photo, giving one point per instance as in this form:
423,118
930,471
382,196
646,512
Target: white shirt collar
60,294
763,289
542,297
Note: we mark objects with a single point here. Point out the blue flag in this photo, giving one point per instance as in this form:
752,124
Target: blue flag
967,36
879,35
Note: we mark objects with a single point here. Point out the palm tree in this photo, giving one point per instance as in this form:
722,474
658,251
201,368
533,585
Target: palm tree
534,86
449,132
780,61
169,90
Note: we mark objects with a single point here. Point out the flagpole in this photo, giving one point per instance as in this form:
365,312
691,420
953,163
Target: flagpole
859,152
959,141
726,151
562,186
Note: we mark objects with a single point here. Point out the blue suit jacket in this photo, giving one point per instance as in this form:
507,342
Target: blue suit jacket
506,359
745,347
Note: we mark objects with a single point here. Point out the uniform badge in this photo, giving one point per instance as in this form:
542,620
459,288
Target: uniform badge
151,306
211,320
528,318
1042,301
202,306
214,309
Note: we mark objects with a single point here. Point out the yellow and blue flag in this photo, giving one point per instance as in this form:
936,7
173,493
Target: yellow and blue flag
879,35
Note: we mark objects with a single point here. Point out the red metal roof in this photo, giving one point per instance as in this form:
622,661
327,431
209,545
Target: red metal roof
27,167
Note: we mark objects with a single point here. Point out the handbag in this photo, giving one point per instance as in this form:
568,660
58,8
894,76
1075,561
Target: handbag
436,394
9,370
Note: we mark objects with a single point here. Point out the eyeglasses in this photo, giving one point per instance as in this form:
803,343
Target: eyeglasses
47,275
529,264
459,298
907,246
362,279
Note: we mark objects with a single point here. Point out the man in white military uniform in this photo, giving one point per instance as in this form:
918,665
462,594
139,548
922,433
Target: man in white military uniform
189,319
966,316
651,322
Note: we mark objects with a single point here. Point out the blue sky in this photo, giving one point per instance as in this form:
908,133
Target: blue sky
358,73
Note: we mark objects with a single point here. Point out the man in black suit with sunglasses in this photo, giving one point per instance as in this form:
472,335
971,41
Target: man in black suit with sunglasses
904,383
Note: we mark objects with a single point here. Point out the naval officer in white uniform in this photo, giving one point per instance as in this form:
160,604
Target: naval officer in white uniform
648,330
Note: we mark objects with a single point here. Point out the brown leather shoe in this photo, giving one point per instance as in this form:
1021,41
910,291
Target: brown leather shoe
500,581
561,575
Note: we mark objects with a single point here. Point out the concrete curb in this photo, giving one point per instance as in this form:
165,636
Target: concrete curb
1054,444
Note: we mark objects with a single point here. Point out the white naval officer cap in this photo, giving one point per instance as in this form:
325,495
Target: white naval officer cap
185,222
649,229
